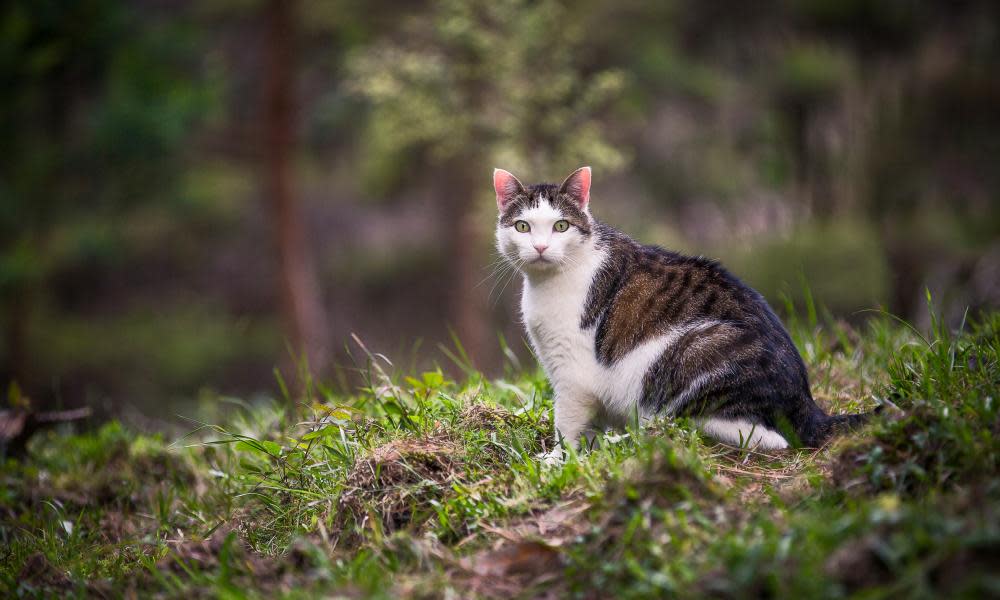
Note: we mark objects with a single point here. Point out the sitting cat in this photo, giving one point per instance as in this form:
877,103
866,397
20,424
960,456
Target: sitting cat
624,329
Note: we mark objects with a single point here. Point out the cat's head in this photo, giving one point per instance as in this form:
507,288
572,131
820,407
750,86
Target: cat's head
543,227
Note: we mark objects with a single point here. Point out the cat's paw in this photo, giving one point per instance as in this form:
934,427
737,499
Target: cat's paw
552,457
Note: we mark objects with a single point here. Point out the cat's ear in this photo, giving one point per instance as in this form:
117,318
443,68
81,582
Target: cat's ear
577,186
507,187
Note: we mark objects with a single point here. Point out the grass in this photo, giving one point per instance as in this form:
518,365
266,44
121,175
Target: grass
421,486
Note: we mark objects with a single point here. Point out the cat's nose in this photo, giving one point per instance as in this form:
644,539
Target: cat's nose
541,248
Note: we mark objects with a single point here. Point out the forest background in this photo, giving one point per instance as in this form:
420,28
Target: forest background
192,191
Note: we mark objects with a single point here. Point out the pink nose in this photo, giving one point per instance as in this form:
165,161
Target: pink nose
541,248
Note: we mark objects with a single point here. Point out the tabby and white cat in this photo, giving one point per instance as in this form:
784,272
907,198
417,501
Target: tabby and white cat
623,330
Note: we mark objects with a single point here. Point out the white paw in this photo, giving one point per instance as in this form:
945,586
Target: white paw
552,457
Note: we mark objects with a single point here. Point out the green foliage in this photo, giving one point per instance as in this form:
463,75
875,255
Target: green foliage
947,436
494,81
409,487
841,260
810,74
130,134
150,346
98,105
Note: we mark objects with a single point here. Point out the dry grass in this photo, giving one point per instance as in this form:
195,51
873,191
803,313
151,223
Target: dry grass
486,417
394,478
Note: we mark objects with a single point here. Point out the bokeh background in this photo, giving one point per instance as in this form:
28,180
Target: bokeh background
191,191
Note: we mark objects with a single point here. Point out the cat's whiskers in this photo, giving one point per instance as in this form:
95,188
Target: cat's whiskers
501,283
501,267
516,267
513,268
500,273
497,268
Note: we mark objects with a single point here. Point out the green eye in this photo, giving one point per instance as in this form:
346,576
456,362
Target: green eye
561,226
522,226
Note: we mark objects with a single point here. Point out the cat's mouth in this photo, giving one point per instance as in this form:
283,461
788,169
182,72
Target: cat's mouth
541,263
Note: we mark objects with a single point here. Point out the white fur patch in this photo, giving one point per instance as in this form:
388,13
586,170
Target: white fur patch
737,432
623,380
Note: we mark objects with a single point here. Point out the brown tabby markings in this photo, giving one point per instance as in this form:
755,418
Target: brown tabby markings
643,294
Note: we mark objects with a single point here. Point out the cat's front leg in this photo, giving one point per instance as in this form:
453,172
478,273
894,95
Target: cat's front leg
574,414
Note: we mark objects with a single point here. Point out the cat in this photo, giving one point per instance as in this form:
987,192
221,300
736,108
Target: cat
624,330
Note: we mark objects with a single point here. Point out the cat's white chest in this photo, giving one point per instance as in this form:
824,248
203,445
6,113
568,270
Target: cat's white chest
552,310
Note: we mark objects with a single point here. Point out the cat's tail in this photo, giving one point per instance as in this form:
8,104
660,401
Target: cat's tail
846,423
832,425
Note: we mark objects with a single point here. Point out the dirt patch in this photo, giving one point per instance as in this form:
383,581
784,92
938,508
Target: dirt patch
203,554
40,578
225,552
964,572
969,572
663,480
37,571
526,555
512,570
858,565
224,546
556,526
955,553
398,478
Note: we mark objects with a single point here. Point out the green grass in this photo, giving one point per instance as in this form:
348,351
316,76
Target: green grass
421,486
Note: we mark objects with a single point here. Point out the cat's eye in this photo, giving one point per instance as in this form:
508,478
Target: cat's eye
561,226
522,226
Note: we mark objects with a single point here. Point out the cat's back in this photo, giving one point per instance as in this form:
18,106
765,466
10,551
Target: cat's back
643,292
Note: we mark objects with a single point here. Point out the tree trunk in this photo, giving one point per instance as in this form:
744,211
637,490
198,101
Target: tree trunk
467,302
799,124
304,315
17,337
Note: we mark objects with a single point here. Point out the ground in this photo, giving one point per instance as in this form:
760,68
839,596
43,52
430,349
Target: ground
426,487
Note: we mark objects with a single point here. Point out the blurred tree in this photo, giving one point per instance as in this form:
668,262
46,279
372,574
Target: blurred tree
881,109
471,85
304,314
95,107
807,79
926,131
130,253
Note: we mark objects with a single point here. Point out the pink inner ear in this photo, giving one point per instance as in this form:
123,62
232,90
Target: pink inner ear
506,186
578,186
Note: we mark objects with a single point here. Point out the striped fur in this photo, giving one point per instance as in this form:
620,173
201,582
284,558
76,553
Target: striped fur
625,329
